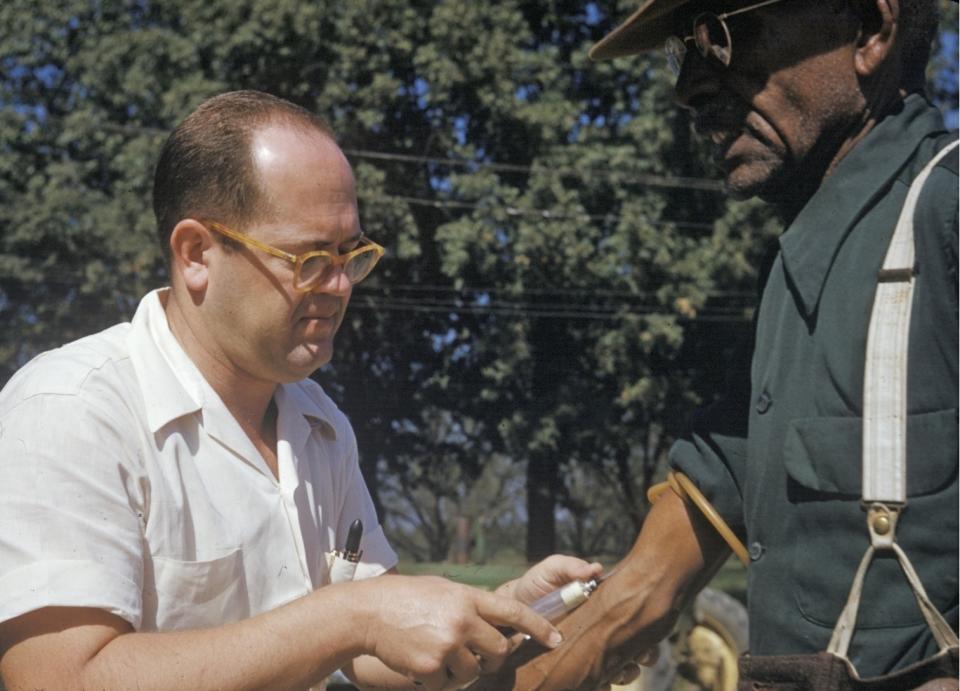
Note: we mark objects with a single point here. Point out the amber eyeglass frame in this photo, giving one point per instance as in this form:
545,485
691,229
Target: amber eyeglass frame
298,260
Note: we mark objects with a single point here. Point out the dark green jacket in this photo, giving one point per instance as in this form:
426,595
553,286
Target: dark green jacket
783,466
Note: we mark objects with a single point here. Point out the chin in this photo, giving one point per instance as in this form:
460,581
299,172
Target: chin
308,359
741,189
755,179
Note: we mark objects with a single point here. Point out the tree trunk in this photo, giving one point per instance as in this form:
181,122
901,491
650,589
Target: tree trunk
543,476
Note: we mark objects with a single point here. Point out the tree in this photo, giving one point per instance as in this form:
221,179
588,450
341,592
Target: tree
563,276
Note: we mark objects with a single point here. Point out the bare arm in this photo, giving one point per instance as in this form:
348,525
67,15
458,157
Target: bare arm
674,555
418,626
553,572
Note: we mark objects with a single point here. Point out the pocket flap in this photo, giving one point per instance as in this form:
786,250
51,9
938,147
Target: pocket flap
824,453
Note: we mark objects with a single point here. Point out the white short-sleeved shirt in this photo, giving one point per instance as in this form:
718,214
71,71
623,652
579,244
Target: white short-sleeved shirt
126,485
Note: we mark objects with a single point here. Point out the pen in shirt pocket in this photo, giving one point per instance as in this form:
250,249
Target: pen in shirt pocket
345,562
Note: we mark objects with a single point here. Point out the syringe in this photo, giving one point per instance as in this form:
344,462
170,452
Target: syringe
553,606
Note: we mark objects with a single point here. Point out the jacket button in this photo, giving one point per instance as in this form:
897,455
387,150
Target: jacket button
756,551
764,402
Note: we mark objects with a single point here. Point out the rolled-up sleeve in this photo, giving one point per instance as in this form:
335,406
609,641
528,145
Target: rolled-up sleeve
713,455
70,533
713,452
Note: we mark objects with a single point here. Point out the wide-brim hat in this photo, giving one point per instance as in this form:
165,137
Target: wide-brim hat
646,29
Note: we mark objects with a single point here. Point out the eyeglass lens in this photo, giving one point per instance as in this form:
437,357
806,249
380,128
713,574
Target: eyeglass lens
316,270
711,37
676,51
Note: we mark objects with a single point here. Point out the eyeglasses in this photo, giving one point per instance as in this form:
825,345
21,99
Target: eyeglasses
711,37
312,269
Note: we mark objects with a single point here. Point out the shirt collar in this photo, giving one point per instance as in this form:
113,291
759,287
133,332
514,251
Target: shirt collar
173,385
305,399
811,242
169,380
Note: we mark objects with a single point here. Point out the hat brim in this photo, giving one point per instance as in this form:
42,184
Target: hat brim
646,29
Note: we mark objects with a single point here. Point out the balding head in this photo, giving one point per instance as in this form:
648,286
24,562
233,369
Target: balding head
206,168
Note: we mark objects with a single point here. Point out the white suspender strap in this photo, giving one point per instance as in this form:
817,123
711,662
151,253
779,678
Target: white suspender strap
885,377
885,421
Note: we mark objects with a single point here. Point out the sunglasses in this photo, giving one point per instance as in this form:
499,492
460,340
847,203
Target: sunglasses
711,36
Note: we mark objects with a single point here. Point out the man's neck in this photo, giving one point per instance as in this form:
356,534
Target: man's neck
247,398
789,199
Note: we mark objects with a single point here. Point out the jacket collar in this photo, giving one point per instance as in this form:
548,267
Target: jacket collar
811,242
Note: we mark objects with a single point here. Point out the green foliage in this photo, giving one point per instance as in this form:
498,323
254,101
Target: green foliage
562,279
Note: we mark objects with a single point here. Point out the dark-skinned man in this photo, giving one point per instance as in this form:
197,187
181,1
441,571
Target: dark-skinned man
171,488
817,108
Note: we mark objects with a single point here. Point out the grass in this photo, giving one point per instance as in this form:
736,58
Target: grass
731,578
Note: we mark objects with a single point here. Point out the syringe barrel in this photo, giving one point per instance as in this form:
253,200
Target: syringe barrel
553,606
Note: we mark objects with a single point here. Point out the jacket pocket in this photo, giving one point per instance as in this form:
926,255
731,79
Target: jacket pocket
823,465
195,594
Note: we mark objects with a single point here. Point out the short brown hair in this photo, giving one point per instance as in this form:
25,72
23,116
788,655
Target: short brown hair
206,168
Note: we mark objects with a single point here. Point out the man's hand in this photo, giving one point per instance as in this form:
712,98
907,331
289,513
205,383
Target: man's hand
548,575
435,633
441,634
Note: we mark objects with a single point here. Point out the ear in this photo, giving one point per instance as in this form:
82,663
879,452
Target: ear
189,245
878,36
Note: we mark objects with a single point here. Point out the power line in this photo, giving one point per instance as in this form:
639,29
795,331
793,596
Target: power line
540,314
546,214
527,290
77,279
545,310
647,179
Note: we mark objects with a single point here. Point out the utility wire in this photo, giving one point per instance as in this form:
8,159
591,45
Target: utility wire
371,289
545,310
546,214
423,287
648,179
540,314
553,309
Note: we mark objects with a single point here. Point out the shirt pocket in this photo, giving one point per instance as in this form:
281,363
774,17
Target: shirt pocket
823,465
196,594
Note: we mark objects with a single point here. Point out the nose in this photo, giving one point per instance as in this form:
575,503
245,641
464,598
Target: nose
698,80
334,282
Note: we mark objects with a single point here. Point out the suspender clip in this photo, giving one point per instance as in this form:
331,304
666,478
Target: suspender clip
882,523
895,275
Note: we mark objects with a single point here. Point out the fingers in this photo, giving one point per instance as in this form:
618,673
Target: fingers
572,568
548,575
649,657
511,613
488,645
627,674
463,666
634,668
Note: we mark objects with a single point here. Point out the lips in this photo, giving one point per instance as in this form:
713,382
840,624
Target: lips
330,315
720,122
317,328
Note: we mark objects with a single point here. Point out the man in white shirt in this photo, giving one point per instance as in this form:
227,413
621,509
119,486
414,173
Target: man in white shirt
171,488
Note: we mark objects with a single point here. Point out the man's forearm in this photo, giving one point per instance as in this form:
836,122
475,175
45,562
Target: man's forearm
291,647
671,560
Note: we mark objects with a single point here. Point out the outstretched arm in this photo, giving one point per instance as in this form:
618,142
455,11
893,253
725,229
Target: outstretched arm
544,577
674,556
424,627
